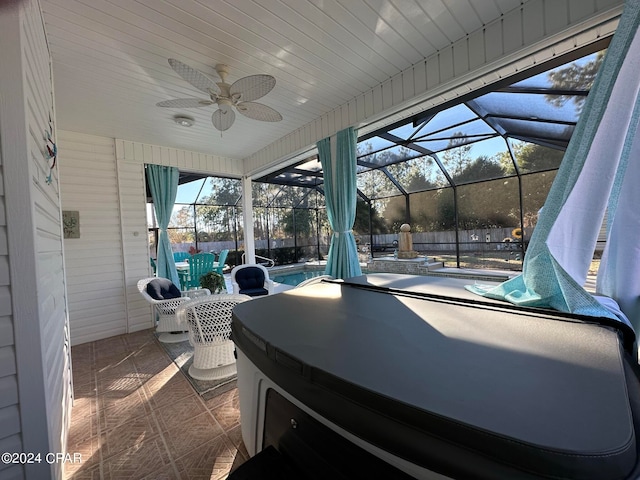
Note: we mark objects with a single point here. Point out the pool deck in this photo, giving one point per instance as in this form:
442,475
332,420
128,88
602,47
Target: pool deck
452,272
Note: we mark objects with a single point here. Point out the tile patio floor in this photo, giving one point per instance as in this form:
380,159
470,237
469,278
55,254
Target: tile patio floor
135,416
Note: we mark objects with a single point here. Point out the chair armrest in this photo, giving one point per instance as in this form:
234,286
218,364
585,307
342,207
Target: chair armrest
183,276
168,307
269,285
196,292
201,292
181,313
235,287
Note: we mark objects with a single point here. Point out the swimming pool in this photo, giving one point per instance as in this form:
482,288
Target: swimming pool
294,278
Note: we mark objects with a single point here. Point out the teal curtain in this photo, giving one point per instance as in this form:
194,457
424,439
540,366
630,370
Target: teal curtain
338,158
163,183
599,173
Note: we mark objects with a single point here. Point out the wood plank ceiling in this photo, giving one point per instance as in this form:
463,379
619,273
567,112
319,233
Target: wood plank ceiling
110,59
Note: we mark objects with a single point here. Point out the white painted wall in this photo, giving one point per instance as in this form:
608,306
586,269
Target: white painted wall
35,380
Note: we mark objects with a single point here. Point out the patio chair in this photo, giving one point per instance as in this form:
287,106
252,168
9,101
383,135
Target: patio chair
199,264
165,297
209,323
219,265
252,280
181,256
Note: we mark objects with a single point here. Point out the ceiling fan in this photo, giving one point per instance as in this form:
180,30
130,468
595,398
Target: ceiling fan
239,95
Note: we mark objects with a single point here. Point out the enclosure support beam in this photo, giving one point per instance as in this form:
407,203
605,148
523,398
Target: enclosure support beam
247,216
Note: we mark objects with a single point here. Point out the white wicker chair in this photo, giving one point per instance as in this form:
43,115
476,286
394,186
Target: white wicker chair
209,323
166,322
251,279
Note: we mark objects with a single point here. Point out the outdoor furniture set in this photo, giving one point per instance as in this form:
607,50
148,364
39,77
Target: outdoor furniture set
203,318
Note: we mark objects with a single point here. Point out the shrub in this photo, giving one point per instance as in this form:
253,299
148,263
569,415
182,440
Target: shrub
214,282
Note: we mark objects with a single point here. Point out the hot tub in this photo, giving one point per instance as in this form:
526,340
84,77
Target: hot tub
433,382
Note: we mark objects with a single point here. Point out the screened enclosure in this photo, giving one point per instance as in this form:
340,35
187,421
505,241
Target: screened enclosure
207,216
290,223
469,177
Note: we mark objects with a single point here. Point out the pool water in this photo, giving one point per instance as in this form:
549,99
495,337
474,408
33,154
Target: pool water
294,278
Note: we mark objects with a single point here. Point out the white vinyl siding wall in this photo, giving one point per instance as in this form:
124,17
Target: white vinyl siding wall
538,31
187,161
95,270
35,380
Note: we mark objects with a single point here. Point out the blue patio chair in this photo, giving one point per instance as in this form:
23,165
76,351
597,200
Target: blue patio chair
219,265
199,264
181,256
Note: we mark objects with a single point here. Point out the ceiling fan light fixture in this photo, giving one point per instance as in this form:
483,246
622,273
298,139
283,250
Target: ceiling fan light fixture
224,105
184,121
239,95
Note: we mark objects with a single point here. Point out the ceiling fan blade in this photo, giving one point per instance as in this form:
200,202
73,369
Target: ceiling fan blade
258,111
194,77
185,103
252,87
223,119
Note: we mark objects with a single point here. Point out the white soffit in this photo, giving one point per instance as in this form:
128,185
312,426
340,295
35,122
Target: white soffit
400,97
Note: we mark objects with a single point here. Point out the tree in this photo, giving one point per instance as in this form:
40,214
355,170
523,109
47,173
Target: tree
538,164
457,155
181,219
481,203
482,168
530,158
216,212
576,76
363,223
446,212
303,226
